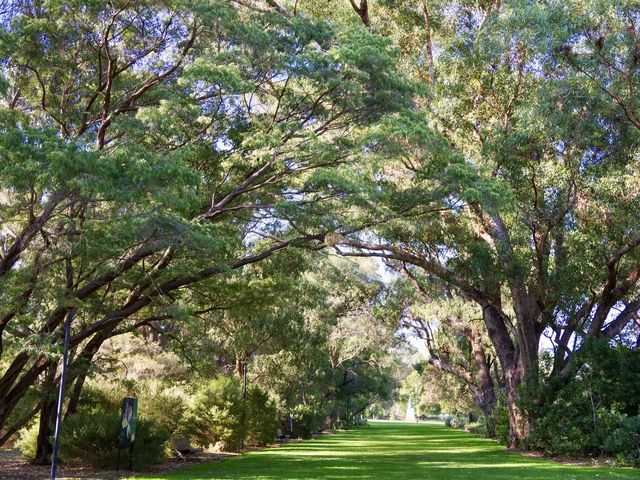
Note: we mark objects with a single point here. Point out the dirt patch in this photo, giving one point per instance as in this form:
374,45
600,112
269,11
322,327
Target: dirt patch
571,461
14,467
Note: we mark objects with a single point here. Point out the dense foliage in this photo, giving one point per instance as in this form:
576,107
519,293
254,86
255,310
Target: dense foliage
289,190
595,413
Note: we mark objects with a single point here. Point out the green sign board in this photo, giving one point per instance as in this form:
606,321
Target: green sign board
128,421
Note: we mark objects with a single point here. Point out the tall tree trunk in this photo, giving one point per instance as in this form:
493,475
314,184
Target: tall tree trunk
486,398
428,47
518,427
513,368
44,448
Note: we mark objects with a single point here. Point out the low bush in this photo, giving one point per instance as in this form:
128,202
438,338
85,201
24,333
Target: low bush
27,441
217,414
458,422
624,442
474,428
308,419
261,418
91,437
448,419
360,422
498,423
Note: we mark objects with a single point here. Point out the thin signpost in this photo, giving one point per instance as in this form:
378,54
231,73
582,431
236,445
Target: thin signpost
244,389
244,381
63,378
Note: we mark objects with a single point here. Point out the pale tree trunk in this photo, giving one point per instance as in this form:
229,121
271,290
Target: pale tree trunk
239,366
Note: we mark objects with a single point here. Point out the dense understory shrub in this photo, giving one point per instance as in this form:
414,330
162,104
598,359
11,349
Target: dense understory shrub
624,441
308,419
498,423
90,436
261,418
594,412
219,414
485,427
359,422
448,420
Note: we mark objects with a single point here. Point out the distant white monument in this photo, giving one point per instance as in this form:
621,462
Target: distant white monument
411,414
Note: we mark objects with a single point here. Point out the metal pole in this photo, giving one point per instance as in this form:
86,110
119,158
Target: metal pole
244,381
244,391
63,378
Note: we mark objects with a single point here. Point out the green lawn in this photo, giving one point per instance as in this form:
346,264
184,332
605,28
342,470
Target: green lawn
394,451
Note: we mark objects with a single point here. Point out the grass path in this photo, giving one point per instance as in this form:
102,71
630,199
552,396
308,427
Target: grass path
394,451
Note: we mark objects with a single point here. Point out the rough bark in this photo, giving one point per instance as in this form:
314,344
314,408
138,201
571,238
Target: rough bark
44,448
362,10
428,48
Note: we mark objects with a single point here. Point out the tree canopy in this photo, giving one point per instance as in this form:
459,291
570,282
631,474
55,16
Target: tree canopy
294,184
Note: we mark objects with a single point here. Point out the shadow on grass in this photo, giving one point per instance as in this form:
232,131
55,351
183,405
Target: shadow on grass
398,451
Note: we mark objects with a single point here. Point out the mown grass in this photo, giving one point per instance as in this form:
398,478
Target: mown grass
394,451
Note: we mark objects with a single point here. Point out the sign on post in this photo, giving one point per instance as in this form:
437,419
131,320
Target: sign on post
128,421
127,434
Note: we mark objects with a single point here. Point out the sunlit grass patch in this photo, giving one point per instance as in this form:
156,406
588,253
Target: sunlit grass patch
394,450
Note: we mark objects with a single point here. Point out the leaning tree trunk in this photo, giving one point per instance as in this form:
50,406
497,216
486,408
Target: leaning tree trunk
44,448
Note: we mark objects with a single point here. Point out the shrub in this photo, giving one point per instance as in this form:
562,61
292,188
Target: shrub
486,426
219,414
499,422
90,436
27,441
448,421
592,412
474,428
458,422
261,418
360,422
166,406
624,442
307,419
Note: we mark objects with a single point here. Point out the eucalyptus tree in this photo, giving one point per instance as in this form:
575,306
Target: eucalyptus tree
452,330
520,171
226,322
358,335
148,146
